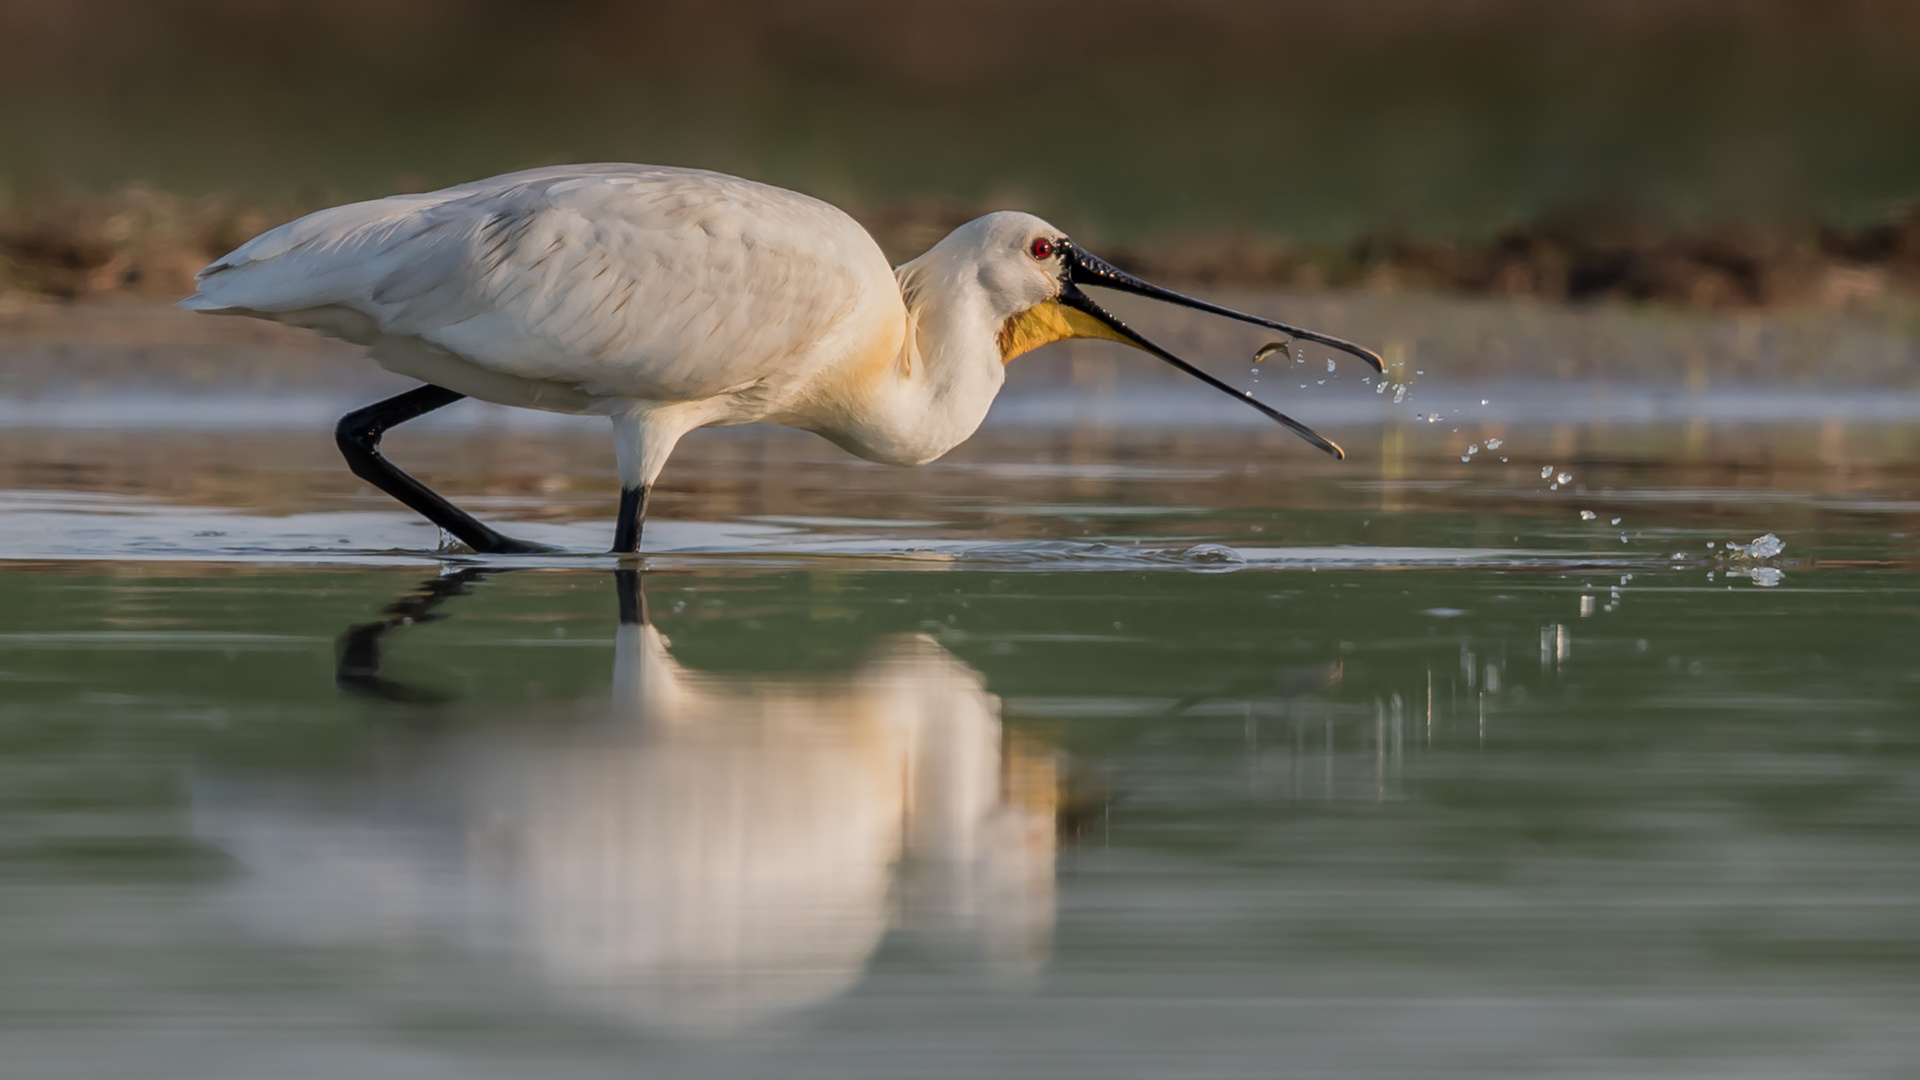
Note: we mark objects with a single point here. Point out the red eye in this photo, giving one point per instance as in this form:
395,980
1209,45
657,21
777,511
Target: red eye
1042,248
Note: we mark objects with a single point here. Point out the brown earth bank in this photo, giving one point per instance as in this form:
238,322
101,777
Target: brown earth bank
1578,255
140,241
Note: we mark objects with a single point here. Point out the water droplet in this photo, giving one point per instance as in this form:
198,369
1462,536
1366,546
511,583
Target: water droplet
1564,478
1399,393
1765,547
1546,471
1329,363
1587,515
1615,521
1494,444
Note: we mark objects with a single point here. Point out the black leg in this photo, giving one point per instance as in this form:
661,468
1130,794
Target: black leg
359,437
633,597
633,516
357,668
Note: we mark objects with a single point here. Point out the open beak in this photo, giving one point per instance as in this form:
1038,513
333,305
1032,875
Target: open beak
1083,268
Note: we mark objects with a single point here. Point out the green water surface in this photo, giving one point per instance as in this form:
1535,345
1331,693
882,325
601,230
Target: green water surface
1588,815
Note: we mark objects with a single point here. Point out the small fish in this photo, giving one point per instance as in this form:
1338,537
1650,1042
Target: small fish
1282,347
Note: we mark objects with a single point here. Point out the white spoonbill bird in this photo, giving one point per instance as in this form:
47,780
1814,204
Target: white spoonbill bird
669,299
700,851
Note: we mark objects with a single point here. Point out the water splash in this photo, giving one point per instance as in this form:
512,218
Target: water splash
1217,555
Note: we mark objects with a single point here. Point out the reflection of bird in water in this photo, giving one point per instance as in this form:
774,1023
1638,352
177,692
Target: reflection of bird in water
673,299
716,850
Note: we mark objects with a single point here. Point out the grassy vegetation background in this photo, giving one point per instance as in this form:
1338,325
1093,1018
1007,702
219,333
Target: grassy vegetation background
1121,119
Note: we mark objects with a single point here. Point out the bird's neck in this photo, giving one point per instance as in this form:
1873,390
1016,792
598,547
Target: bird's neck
944,375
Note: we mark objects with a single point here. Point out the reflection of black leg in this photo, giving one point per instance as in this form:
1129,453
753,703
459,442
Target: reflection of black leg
359,437
633,517
633,598
358,668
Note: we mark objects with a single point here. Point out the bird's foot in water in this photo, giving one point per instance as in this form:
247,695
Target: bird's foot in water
510,546
494,544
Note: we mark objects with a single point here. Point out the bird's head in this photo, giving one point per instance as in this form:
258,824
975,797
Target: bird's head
1031,274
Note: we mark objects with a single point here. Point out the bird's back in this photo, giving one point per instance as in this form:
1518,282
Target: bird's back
626,281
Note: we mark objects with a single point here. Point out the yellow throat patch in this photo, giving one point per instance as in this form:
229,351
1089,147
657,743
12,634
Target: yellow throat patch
1047,322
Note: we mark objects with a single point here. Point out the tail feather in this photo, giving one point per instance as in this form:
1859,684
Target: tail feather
204,304
323,258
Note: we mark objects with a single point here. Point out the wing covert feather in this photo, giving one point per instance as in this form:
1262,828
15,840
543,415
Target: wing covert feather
624,280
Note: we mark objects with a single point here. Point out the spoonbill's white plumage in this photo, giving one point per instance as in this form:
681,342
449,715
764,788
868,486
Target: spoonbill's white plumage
670,299
697,851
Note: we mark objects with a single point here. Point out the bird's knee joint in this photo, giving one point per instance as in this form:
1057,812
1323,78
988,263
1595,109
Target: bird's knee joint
356,432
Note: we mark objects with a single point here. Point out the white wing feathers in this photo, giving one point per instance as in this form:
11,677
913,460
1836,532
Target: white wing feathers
620,279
